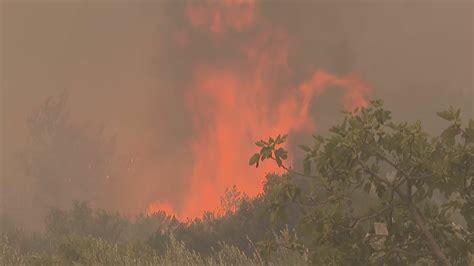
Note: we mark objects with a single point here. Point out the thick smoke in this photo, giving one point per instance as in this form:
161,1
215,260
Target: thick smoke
131,65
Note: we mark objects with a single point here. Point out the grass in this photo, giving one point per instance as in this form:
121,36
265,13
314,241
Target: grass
89,250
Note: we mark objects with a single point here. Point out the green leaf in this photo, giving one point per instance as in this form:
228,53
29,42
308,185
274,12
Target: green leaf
355,123
279,140
450,134
254,159
266,153
279,162
318,138
281,153
260,143
446,115
457,114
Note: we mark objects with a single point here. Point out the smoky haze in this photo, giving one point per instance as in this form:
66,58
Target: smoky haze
122,67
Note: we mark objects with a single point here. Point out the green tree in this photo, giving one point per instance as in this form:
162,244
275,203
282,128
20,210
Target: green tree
231,200
81,219
384,192
65,161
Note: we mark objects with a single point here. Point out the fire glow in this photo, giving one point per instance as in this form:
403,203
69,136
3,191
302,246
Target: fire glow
156,207
234,105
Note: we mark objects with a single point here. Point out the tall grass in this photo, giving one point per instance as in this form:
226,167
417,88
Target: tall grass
88,250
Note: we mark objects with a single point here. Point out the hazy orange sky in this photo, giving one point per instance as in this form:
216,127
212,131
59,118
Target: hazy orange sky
122,64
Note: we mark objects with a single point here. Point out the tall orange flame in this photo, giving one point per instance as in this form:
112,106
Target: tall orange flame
232,106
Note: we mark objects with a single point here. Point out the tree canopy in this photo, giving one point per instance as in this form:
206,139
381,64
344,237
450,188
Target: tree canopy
382,192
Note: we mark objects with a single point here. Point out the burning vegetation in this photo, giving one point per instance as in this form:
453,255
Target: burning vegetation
232,101
239,170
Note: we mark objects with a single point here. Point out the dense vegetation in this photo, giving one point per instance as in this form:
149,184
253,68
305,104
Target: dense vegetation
418,205
84,236
372,192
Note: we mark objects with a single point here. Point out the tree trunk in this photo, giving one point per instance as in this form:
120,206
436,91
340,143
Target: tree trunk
435,248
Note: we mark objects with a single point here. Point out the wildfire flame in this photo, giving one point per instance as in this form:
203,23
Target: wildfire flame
234,105
157,207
